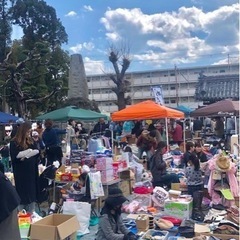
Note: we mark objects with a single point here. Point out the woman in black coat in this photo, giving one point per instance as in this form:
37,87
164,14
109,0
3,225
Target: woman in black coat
24,156
158,168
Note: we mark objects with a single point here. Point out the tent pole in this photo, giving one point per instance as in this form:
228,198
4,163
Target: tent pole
113,150
184,135
166,127
235,123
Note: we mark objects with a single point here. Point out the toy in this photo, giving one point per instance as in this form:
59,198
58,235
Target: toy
145,175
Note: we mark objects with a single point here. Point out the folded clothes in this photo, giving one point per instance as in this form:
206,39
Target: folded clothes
228,223
234,210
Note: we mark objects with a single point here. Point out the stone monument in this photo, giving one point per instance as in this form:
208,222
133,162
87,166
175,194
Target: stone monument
77,82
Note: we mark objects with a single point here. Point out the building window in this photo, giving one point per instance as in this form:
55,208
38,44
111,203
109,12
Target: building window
173,101
222,71
172,74
172,87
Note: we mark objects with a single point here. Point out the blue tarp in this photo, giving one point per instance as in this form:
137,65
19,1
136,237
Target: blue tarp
184,109
6,117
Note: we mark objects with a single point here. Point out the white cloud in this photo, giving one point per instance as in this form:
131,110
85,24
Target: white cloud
88,8
93,67
89,46
181,36
230,60
71,14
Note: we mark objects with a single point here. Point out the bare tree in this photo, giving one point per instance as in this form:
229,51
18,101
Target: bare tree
121,61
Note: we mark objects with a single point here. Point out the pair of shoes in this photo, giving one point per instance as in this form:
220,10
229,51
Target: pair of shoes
214,215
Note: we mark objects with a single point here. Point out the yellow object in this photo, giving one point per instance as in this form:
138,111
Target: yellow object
227,194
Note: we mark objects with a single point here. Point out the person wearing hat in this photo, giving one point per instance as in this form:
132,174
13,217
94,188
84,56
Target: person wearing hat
38,143
110,222
146,143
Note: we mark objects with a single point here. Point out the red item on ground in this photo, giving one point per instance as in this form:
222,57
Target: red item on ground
175,221
142,190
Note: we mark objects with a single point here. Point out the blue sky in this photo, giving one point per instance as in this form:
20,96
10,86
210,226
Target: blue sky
158,33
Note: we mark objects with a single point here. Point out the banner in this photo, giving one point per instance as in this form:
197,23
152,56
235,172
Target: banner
158,94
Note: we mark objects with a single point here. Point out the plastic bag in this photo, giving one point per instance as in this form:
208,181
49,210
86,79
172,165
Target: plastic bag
96,188
82,210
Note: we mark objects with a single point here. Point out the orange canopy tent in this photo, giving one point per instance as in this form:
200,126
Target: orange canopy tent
146,110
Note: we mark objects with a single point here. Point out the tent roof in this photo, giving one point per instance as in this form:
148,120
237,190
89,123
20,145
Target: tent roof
71,112
222,108
146,110
6,117
184,109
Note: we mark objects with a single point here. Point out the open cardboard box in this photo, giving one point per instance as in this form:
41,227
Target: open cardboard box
142,222
55,227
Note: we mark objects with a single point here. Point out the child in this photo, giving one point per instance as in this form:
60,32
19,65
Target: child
195,186
82,187
134,163
4,151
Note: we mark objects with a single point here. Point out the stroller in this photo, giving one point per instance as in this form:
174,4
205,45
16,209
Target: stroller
45,184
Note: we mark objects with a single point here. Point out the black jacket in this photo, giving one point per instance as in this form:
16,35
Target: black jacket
25,174
158,167
9,199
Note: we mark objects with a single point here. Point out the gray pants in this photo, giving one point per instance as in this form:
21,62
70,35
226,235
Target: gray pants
9,229
30,208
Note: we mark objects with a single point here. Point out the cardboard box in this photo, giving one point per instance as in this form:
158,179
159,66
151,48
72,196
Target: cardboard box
107,175
125,187
54,227
125,174
142,222
182,210
175,186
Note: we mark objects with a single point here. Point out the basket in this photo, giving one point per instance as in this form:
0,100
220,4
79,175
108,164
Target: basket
162,234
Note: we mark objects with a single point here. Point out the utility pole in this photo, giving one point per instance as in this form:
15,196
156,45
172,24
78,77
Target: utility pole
177,87
228,63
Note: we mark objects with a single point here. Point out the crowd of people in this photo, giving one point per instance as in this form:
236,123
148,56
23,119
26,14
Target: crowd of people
30,146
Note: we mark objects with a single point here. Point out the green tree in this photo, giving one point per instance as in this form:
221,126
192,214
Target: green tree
26,83
121,62
5,28
39,23
34,72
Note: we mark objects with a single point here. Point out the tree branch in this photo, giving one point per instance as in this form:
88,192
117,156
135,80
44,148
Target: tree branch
39,100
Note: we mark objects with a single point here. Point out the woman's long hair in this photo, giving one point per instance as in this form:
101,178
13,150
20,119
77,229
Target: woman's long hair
22,137
195,161
161,145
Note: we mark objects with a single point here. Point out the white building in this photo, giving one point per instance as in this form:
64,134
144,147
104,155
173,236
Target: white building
178,85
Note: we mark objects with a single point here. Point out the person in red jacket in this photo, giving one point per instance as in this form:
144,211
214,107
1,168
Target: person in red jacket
177,133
